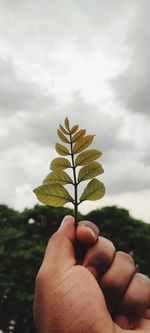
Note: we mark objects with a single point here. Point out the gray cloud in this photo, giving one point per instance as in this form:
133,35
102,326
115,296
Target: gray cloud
132,86
31,115
130,176
79,21
18,94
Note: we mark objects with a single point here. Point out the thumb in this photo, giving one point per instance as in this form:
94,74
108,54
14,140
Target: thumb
60,248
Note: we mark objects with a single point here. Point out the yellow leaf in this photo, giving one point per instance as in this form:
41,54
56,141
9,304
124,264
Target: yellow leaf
63,129
61,150
67,124
87,156
89,171
59,176
78,135
74,129
94,190
82,144
62,136
60,163
53,195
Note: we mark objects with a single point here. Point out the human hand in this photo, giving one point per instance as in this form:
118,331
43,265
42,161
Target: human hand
101,295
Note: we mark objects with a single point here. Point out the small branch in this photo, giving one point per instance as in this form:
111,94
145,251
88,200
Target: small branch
75,184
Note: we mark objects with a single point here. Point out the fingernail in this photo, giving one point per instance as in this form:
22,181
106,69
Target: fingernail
91,232
123,322
66,219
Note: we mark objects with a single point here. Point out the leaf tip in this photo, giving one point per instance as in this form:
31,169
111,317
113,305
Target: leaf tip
66,122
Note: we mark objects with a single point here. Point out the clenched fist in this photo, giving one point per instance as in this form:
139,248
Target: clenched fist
102,294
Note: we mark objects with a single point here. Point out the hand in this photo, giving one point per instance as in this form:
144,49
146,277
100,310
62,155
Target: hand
103,295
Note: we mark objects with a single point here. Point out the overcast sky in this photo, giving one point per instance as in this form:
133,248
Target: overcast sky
88,60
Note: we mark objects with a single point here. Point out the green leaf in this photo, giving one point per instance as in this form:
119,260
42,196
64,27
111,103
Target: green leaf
87,156
61,150
89,171
67,124
94,190
82,144
60,163
62,136
53,195
74,129
59,176
78,135
63,129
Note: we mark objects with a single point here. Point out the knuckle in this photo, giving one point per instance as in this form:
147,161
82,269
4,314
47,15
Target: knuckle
38,279
55,238
140,283
126,257
41,277
111,245
108,243
143,279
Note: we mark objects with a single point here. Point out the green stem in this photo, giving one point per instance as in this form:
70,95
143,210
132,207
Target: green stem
75,184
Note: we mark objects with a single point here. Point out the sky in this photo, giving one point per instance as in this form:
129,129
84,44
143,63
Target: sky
88,60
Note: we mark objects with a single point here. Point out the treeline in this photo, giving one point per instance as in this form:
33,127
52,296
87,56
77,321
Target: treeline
23,238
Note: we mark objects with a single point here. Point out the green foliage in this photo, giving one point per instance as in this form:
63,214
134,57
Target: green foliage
58,176
23,238
87,156
60,164
89,171
52,192
94,189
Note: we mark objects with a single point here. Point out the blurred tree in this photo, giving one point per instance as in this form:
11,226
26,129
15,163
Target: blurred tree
23,238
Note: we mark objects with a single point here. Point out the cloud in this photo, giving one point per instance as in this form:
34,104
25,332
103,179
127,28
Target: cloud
132,86
22,103
49,23
28,132
18,94
29,114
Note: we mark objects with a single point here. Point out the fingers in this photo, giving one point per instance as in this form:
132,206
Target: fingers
116,280
127,294
87,232
135,302
86,235
60,248
99,257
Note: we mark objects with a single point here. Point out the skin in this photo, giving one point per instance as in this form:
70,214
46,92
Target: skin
101,294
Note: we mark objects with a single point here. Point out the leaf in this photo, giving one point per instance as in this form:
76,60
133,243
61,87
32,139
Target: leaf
63,129
82,144
58,176
89,171
78,135
53,195
87,156
61,150
60,163
62,136
93,191
67,124
74,129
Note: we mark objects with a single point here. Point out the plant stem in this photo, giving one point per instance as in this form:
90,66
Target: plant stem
75,184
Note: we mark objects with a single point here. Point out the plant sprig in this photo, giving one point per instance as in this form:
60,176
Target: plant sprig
52,192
